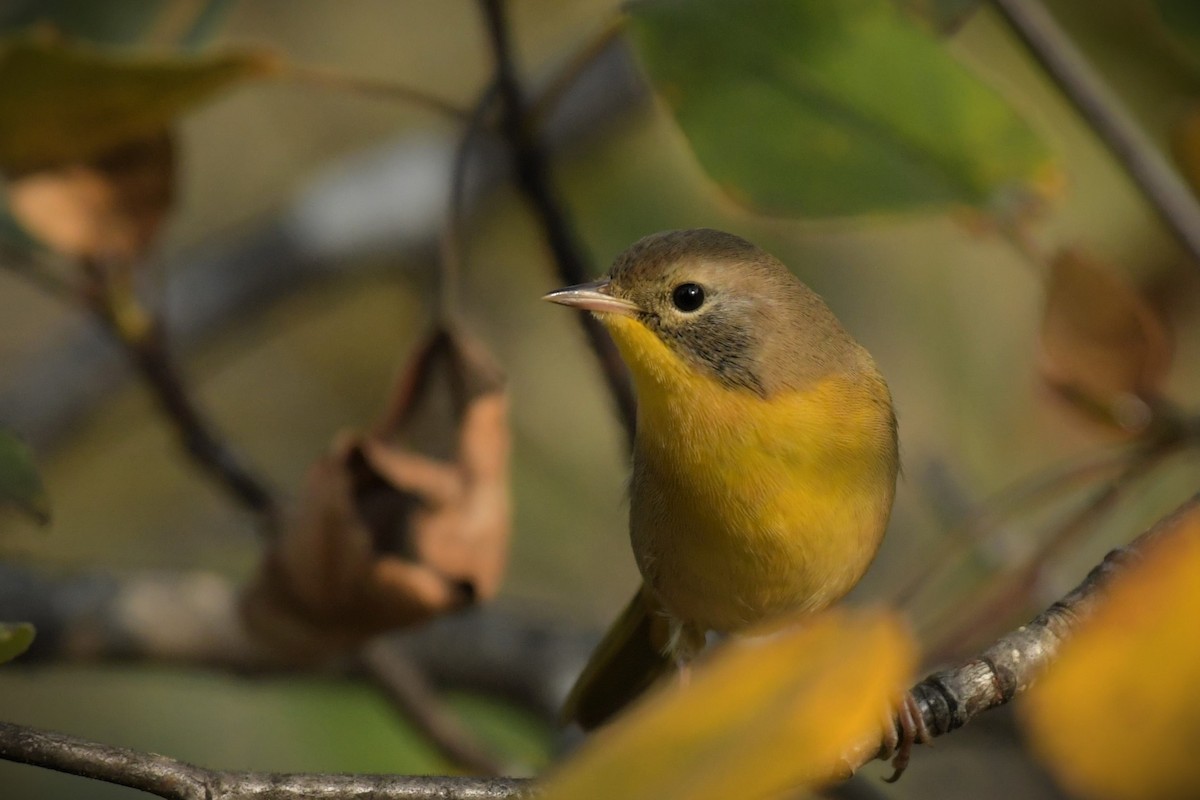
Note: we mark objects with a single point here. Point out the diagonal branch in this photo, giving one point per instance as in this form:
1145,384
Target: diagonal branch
179,780
950,698
142,336
532,169
1151,172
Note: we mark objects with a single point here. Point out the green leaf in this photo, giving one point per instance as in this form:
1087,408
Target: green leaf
20,485
124,23
1181,18
62,102
15,638
818,108
944,16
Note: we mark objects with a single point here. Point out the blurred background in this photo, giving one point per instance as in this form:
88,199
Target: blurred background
298,269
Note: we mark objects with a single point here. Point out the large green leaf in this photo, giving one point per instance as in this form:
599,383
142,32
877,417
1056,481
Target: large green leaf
1181,18
15,638
819,108
945,16
64,102
20,484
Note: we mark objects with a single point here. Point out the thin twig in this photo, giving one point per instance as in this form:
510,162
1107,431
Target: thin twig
1010,590
950,698
534,181
1021,497
565,78
404,684
325,78
451,239
146,349
179,780
1064,63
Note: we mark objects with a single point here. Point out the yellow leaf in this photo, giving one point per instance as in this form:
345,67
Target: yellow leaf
1118,715
64,102
763,716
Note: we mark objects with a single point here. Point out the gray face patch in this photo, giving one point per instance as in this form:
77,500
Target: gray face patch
712,340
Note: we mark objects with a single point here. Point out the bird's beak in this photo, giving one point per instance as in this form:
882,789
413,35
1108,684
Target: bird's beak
594,296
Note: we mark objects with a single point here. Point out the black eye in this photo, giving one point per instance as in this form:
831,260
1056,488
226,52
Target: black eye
688,296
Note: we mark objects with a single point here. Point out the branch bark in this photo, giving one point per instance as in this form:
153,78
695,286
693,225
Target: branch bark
179,780
946,700
951,697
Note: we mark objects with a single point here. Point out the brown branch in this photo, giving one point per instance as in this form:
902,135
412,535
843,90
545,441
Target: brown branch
1160,184
532,169
192,619
179,780
403,683
1009,591
146,347
950,698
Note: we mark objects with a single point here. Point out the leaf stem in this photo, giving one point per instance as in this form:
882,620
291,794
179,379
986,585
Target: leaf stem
325,78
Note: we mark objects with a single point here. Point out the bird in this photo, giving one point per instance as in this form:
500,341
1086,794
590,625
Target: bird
765,453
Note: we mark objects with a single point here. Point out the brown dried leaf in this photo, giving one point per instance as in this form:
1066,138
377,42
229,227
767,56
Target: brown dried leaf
108,209
1103,345
401,524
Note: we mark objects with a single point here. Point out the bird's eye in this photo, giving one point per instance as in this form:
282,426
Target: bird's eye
688,297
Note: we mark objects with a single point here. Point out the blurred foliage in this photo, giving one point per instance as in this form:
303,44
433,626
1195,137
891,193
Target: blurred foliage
1115,717
798,107
121,23
1182,21
761,716
20,484
946,16
15,639
69,102
762,96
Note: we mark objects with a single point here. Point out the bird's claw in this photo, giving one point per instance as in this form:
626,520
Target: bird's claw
900,733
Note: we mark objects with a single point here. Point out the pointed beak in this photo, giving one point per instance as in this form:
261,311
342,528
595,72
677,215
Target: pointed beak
594,296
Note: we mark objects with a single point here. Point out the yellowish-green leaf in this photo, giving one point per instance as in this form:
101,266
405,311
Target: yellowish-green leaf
62,102
808,107
20,484
763,716
1181,22
15,638
944,16
1118,716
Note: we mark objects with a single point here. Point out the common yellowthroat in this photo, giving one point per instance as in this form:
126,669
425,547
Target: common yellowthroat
765,456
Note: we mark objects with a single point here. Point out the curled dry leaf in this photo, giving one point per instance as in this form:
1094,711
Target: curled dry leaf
108,209
1118,714
1102,345
402,523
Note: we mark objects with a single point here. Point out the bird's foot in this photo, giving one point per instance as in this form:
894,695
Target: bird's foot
900,733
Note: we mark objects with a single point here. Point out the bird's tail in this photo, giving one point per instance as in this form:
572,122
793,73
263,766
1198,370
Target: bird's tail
629,659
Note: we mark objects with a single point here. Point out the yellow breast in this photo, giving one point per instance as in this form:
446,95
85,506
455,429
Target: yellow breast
744,507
